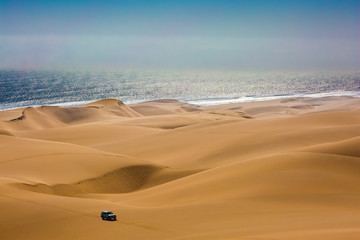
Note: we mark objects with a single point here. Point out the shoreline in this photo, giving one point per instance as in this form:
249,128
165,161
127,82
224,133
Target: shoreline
200,102
274,107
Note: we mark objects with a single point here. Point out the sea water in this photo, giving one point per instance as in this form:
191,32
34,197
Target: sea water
34,88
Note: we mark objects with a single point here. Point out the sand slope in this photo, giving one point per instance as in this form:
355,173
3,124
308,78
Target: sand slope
282,169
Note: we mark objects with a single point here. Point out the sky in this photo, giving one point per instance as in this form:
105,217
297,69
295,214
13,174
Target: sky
243,35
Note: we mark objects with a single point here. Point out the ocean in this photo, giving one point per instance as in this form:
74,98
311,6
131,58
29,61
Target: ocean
34,88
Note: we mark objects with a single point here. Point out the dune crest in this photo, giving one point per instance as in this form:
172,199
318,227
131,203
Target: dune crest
36,118
123,180
126,179
105,102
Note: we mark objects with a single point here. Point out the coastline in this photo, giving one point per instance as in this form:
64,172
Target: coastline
25,89
200,102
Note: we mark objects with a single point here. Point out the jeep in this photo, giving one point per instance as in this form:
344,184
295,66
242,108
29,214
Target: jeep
107,215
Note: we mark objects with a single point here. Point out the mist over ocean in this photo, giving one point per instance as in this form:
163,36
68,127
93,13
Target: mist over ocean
33,88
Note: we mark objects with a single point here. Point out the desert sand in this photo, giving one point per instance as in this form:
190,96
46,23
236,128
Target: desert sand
281,169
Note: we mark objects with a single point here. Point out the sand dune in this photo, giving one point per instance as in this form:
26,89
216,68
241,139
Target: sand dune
281,169
162,107
349,147
115,107
292,106
231,140
52,116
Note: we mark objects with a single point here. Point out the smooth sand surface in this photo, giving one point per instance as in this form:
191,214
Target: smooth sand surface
281,169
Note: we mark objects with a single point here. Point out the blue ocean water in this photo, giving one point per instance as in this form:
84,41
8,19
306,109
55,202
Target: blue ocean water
33,88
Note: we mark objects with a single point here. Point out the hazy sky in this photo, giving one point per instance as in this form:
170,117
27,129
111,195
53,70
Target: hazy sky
250,35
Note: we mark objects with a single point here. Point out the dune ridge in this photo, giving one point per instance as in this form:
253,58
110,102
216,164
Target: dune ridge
126,179
35,118
280,169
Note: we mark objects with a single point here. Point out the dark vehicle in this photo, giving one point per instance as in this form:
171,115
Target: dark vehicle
107,215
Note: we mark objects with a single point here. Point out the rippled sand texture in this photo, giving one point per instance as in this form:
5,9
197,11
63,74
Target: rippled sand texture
282,169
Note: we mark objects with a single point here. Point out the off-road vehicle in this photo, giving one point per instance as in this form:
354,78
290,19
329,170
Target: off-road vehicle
107,215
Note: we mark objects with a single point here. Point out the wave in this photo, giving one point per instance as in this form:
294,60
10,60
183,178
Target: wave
24,104
218,101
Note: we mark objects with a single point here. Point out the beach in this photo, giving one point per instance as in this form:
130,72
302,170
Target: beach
286,168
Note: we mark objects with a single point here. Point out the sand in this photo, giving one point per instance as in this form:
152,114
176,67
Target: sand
281,169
